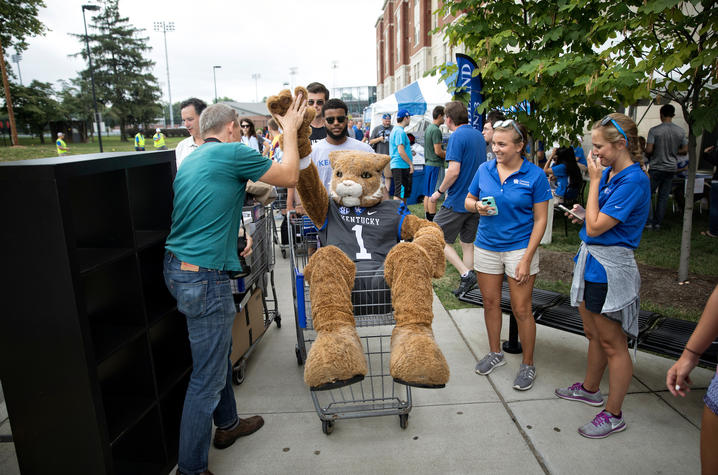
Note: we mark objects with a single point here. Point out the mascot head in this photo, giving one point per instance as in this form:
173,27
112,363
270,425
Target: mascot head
357,179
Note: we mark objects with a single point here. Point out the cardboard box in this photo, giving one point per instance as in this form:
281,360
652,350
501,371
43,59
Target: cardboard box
255,314
240,335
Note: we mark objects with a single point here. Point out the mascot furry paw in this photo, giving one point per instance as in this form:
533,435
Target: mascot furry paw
359,231
279,104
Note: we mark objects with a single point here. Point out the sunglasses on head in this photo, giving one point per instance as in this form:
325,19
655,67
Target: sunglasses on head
319,102
507,123
340,119
608,120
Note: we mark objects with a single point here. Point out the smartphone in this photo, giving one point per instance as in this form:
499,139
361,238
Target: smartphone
569,211
489,201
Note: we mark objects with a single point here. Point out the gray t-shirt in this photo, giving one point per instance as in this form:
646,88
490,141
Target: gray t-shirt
383,146
666,138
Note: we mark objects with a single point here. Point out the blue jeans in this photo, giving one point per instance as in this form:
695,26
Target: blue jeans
662,181
713,216
205,298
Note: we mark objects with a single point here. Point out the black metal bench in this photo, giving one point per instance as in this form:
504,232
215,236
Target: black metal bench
662,335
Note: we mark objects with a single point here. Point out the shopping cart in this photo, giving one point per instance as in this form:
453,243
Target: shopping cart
278,205
377,394
261,275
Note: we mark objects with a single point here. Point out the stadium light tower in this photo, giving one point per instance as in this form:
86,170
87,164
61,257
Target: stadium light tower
164,27
214,74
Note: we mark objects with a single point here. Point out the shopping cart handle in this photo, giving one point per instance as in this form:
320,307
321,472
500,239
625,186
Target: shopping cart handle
301,309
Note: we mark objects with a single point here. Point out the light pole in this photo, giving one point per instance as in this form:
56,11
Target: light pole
164,27
292,73
335,65
214,73
16,58
256,76
92,8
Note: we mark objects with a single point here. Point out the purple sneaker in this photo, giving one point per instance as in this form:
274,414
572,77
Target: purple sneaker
603,425
576,392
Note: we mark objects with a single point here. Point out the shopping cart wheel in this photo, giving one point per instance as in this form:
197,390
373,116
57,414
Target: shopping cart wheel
278,321
238,372
300,360
327,427
403,420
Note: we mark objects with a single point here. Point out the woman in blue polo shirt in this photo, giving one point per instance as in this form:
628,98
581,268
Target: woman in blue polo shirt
507,241
564,167
605,280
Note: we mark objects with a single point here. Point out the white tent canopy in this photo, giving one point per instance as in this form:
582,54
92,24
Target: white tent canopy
419,98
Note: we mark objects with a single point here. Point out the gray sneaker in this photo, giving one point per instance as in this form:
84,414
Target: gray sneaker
526,377
467,283
576,392
603,425
489,362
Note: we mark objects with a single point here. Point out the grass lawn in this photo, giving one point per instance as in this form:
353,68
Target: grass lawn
30,148
659,249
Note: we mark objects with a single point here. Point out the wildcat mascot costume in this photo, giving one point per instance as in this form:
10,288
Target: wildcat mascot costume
360,231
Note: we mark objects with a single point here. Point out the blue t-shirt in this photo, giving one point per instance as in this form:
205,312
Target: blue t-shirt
511,228
468,147
209,194
580,155
399,137
561,174
627,198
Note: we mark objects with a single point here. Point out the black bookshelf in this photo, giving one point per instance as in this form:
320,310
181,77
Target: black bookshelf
94,356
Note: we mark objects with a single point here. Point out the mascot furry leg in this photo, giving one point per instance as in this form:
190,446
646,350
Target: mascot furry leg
416,359
336,357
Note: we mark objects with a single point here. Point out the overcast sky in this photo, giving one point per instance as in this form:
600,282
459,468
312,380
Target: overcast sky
244,37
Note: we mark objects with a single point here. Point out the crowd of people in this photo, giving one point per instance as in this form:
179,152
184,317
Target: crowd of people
495,200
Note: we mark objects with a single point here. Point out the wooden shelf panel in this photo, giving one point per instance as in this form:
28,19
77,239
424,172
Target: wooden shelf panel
89,259
140,450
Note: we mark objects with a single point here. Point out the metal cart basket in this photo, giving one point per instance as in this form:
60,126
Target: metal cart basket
377,394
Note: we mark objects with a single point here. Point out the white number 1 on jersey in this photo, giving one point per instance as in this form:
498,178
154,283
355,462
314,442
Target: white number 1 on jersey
362,254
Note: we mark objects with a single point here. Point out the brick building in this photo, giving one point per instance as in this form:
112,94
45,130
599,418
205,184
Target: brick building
405,46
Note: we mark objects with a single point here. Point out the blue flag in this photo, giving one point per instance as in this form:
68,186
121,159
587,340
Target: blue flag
467,82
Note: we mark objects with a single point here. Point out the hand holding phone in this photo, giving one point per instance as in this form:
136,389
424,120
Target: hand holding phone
571,212
489,201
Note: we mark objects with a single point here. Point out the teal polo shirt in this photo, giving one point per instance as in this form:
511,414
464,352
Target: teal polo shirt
396,138
209,194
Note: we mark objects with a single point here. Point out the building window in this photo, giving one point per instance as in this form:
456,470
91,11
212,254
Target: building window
398,37
417,21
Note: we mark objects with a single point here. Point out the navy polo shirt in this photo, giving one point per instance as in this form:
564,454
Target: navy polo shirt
468,147
627,198
511,228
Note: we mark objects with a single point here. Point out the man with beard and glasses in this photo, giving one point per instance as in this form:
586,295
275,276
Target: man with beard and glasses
334,116
318,95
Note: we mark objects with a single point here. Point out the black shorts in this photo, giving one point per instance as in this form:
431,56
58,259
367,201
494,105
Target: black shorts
594,295
401,176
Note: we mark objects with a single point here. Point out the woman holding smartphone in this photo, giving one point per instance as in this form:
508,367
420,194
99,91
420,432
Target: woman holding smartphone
605,279
511,194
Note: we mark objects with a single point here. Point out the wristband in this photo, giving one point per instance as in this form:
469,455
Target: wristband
476,205
440,192
691,351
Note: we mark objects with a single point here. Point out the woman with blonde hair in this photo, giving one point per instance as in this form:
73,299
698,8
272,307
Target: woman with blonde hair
605,279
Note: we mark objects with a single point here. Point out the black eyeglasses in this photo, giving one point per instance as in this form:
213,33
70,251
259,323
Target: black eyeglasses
507,123
340,119
319,102
608,120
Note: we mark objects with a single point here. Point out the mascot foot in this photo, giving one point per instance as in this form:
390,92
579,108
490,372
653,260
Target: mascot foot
416,359
335,359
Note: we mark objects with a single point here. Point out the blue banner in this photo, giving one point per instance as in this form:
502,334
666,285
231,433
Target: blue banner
467,82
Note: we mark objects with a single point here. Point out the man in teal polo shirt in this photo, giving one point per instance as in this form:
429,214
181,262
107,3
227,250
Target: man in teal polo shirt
201,256
402,166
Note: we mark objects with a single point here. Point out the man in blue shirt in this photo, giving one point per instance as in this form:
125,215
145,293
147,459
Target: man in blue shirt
465,152
402,166
201,254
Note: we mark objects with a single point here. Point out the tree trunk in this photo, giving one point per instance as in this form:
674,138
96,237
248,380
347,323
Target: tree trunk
123,134
8,100
684,260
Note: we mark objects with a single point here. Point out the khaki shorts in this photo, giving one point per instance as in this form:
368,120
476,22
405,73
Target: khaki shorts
493,262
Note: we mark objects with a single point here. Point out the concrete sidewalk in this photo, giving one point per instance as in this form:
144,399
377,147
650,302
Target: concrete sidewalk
476,424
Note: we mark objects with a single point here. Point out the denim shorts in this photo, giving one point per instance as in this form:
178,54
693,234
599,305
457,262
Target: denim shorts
594,296
711,397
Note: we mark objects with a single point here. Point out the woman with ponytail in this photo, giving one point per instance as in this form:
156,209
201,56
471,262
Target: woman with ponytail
606,283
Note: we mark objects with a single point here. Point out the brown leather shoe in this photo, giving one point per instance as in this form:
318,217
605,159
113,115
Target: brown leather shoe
206,472
225,438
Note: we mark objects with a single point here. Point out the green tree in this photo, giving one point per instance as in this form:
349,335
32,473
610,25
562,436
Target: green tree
35,106
18,21
123,81
575,60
